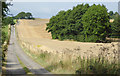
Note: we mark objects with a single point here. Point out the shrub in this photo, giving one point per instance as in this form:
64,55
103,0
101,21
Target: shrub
92,38
80,38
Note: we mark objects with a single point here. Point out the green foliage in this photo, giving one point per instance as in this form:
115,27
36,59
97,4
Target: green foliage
28,15
114,15
5,11
98,66
8,20
67,24
96,23
5,8
111,14
23,15
115,26
82,23
80,38
5,34
27,71
5,22
92,38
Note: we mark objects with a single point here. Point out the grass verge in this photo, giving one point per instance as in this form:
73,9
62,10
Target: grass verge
53,64
5,41
28,72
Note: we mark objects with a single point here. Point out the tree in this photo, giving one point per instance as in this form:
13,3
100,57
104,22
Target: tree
4,9
29,15
116,13
8,20
67,24
82,23
23,15
111,13
115,26
96,23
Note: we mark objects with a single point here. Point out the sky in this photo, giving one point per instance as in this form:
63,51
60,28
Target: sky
49,9
64,0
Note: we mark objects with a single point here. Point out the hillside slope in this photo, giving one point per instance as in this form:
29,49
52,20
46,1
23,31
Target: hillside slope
32,33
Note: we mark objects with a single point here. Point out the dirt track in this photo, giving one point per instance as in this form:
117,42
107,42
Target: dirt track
33,32
13,66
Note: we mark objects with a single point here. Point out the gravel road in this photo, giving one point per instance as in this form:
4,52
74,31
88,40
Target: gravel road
13,66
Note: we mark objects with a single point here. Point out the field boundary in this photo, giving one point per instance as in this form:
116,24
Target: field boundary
4,50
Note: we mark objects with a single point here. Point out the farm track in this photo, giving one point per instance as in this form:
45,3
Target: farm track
13,67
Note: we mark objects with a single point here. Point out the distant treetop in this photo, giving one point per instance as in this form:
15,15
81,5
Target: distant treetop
23,15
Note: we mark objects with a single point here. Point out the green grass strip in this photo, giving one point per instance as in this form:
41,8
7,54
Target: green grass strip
28,72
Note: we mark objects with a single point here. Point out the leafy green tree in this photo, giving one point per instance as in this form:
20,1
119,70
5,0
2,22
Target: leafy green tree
96,23
115,26
111,13
23,15
79,12
67,24
4,9
8,20
115,15
82,23
29,15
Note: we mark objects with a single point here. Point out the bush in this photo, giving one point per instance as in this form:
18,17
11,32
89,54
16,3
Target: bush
92,38
80,38
8,20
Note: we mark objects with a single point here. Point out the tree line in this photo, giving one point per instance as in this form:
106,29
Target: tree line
82,23
23,15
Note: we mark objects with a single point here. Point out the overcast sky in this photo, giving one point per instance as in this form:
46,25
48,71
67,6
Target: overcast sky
49,9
